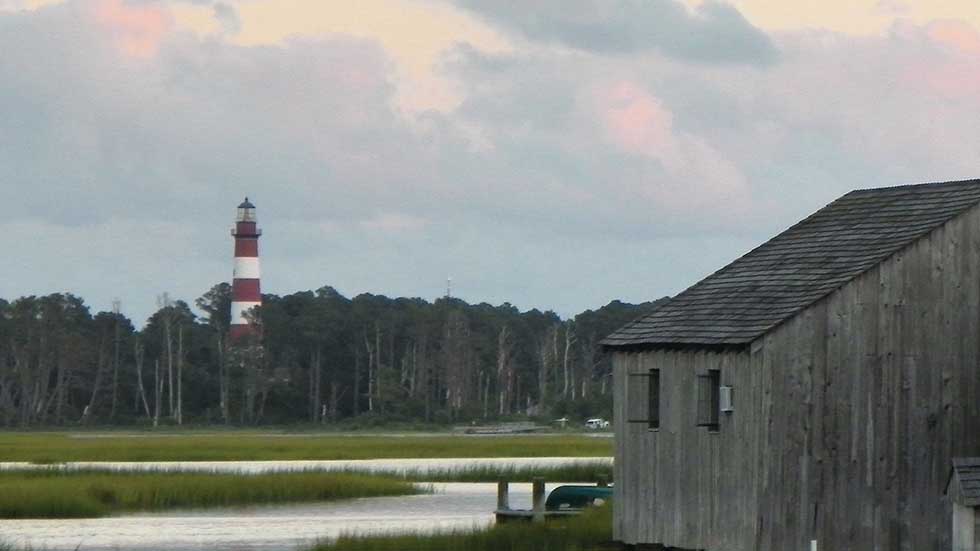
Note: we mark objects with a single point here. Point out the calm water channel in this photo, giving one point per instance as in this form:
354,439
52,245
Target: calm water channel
420,466
280,527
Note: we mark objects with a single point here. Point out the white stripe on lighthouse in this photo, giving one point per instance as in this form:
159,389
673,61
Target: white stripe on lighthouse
246,267
238,310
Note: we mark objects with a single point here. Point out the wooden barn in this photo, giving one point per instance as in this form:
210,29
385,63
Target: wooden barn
964,493
813,393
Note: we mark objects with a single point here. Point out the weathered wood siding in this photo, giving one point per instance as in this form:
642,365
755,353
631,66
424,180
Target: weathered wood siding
965,522
672,477
846,418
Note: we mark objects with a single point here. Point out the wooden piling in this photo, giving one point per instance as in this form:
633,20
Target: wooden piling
537,499
503,495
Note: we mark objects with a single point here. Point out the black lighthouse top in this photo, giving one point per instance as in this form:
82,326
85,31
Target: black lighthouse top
246,211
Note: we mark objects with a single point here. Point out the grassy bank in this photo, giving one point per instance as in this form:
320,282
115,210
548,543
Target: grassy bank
585,533
55,447
56,493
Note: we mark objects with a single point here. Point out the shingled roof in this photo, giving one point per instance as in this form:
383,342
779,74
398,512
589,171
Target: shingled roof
966,474
779,279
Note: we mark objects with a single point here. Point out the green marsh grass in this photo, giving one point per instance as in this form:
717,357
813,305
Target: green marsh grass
579,471
60,493
587,532
243,446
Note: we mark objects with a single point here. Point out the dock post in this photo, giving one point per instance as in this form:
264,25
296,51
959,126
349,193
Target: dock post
537,499
503,495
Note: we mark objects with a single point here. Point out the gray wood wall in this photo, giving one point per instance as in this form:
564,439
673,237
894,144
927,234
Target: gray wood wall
846,418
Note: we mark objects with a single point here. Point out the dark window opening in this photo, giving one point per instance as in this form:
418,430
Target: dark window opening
709,400
643,398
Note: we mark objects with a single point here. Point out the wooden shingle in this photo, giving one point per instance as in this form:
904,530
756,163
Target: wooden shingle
964,482
779,279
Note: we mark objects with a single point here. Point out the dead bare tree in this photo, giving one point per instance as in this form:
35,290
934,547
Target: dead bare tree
316,376
167,319
116,307
591,356
457,360
505,370
371,352
356,408
569,383
180,375
139,357
157,390
96,383
546,347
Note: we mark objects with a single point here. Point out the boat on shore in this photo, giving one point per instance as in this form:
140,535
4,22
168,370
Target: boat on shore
564,501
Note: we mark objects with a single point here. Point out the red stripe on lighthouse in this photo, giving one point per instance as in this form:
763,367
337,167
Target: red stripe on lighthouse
245,288
246,247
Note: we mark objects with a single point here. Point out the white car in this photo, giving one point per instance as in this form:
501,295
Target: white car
596,423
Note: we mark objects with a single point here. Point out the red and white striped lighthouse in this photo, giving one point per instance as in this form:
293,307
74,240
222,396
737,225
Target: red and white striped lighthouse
245,293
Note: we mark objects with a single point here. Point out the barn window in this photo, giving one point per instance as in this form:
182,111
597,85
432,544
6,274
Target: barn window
709,399
644,398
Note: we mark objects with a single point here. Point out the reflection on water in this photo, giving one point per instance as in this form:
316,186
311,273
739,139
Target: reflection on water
280,527
274,528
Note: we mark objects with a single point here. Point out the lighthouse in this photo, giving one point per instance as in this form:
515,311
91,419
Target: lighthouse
245,292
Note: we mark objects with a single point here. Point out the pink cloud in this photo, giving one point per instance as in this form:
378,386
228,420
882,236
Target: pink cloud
697,175
636,121
956,35
954,73
137,30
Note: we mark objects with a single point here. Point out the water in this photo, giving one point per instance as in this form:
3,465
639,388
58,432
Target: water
420,466
452,506
281,527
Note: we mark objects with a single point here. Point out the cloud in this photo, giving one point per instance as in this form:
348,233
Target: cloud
119,174
227,15
637,121
393,223
957,35
137,29
713,32
892,7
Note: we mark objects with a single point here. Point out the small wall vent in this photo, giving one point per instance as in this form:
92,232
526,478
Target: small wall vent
725,403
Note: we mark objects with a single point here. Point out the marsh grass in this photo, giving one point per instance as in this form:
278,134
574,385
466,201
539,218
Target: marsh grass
61,493
584,533
580,471
56,448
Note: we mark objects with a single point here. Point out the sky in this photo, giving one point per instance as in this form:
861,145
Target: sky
553,154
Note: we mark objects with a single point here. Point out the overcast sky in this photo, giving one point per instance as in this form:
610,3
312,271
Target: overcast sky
557,155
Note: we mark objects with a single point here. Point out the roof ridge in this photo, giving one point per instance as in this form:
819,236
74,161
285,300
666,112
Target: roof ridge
950,183
885,256
726,267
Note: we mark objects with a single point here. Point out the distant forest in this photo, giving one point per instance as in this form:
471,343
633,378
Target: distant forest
323,359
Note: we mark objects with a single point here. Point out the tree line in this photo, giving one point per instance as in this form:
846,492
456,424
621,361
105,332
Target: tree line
318,357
